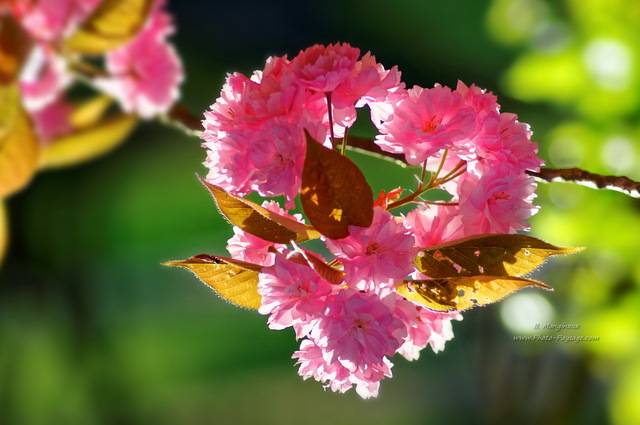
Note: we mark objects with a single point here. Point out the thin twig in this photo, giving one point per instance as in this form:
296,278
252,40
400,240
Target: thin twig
592,180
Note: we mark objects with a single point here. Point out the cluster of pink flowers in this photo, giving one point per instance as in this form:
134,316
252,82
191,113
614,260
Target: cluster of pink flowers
255,137
143,75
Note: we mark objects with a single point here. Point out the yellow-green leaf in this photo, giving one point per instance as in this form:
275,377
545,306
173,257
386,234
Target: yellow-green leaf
495,255
111,25
19,146
15,45
463,292
88,143
259,221
90,112
4,231
334,192
235,281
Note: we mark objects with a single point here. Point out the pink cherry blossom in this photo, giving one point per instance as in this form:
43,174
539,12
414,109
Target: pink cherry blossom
323,68
425,327
369,84
434,224
367,379
498,202
349,343
426,121
374,256
292,295
246,102
146,72
480,100
267,159
358,329
505,140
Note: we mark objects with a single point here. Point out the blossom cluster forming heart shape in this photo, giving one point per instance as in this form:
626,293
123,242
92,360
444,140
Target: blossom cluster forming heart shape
271,133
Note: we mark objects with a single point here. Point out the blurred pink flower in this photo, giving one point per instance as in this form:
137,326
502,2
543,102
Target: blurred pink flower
52,20
145,73
43,78
53,120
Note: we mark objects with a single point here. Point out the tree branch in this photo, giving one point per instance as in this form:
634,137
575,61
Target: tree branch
180,117
585,178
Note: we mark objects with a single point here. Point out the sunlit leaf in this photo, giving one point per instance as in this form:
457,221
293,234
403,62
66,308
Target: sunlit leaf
495,255
114,23
334,193
90,112
19,146
322,269
15,45
463,292
235,281
259,221
88,143
4,231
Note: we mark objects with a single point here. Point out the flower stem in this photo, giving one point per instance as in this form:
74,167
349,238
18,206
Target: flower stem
330,110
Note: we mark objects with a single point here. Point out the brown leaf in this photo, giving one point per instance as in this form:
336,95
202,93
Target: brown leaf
88,143
113,24
15,45
334,193
19,146
259,221
322,269
463,292
236,281
495,255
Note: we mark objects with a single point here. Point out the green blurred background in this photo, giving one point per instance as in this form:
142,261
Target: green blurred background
93,330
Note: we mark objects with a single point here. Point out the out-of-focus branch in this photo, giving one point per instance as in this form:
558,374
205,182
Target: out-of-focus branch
585,178
181,118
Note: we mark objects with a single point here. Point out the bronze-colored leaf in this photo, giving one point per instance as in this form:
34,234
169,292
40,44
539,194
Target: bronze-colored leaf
463,292
494,255
88,143
236,281
15,45
259,221
334,193
19,146
322,269
4,231
111,25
